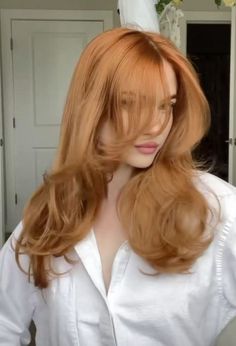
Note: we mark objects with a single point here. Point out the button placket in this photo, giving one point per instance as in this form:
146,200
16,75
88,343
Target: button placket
89,254
92,263
107,332
118,268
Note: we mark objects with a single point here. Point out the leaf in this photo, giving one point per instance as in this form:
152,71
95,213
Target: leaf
218,2
166,2
160,7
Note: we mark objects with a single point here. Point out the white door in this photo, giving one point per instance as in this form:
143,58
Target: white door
43,59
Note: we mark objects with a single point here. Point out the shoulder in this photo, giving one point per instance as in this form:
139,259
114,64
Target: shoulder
207,181
17,231
10,243
7,252
217,192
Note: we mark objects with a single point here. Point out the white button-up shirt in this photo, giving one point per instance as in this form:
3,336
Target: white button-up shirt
163,310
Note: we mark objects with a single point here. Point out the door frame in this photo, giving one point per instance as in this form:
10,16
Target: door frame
2,194
232,100
217,17
7,111
201,17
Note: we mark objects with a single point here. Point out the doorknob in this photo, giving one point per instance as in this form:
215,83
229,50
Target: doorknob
231,141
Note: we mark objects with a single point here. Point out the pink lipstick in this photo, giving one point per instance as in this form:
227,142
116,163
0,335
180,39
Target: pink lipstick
147,148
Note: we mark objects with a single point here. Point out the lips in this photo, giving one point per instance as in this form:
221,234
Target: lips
147,145
148,148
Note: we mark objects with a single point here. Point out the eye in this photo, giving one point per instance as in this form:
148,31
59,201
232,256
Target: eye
127,102
124,102
170,106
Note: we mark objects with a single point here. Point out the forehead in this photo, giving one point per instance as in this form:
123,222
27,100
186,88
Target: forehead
149,87
170,78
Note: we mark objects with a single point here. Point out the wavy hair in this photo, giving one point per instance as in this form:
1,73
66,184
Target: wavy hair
160,208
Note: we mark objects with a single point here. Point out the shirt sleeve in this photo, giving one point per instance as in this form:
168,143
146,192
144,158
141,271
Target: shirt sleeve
16,296
229,262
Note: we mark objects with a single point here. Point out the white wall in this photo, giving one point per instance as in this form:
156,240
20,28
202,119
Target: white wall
63,5
199,5
188,5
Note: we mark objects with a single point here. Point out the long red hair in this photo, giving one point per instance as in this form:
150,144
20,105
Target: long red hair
162,211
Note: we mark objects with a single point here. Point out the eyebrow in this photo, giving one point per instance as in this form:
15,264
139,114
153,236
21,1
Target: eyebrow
171,97
168,99
174,96
132,93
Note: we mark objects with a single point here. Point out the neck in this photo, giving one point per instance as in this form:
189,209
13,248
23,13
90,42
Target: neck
120,177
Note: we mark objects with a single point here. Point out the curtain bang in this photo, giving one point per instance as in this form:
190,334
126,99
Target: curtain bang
136,94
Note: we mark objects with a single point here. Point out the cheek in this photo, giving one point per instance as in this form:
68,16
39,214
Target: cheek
125,120
105,134
168,127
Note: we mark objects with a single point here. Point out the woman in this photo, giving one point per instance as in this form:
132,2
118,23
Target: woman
126,239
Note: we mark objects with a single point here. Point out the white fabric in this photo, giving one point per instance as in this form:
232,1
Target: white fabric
142,15
170,309
139,14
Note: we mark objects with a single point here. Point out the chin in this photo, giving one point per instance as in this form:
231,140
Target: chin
141,164
139,161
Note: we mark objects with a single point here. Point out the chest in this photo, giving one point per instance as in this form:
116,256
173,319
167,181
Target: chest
109,235
108,242
153,308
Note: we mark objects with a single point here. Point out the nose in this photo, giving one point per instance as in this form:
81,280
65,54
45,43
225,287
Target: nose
157,126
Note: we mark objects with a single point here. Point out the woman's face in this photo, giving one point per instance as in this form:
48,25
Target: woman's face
142,157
